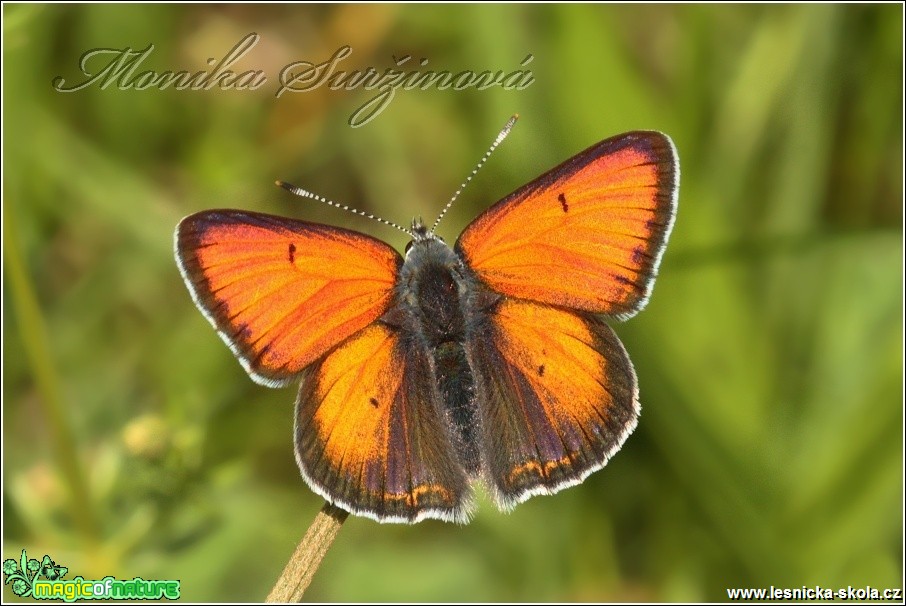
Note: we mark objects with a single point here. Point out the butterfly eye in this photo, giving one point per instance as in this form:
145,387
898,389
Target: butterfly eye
409,246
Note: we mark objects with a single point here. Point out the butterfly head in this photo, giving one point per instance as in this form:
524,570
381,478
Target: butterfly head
420,233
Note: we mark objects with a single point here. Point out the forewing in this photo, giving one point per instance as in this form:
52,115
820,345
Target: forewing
282,292
588,234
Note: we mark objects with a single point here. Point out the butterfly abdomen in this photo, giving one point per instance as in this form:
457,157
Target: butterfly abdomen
457,390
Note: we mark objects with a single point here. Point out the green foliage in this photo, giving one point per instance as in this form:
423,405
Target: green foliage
769,451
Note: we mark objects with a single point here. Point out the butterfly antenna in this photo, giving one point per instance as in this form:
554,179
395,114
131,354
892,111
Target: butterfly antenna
307,194
500,137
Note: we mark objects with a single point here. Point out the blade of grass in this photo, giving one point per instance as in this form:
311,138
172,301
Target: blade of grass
35,344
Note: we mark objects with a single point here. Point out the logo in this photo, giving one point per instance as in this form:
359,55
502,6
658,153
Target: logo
119,68
43,580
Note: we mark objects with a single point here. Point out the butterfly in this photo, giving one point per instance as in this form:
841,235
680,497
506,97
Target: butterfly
489,361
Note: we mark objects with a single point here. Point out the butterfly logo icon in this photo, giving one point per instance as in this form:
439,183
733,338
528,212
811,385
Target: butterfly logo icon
489,361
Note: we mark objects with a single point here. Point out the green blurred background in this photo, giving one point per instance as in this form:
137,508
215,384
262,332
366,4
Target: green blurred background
770,359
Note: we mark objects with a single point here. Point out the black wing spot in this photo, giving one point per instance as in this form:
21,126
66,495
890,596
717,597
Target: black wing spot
541,370
374,402
292,252
563,203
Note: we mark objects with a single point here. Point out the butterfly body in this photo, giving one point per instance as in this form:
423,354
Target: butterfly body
443,308
489,361
437,308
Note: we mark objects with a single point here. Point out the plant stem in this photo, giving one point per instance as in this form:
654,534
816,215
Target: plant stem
305,561
37,352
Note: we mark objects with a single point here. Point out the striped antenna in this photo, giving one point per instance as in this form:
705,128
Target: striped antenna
307,194
500,137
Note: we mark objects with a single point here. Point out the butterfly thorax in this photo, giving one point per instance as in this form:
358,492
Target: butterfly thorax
430,285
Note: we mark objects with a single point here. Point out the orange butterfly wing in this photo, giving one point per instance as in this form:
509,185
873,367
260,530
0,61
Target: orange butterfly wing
557,396
588,234
371,434
556,391
282,292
